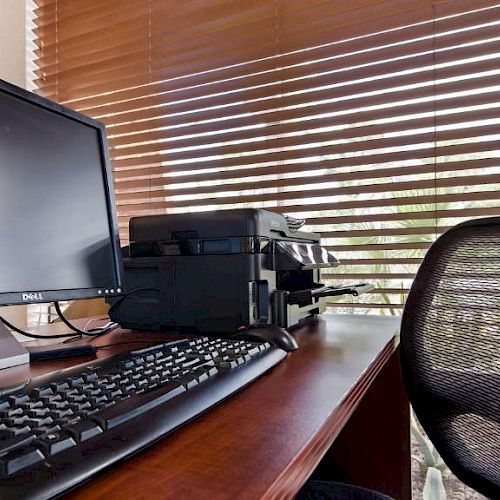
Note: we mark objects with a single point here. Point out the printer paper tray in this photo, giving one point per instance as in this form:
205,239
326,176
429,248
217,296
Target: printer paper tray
302,296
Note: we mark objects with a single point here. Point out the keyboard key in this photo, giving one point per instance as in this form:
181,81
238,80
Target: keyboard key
39,422
58,405
228,365
11,413
75,381
80,398
18,420
141,383
93,392
49,429
91,376
51,398
11,443
17,430
78,407
131,408
5,434
19,399
53,443
60,386
71,421
188,381
38,413
128,388
192,362
42,391
65,412
201,375
19,459
84,430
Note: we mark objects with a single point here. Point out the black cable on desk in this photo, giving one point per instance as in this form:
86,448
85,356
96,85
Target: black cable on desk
70,325
34,335
132,292
93,332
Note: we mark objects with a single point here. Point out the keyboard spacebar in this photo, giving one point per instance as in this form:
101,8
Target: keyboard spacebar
137,405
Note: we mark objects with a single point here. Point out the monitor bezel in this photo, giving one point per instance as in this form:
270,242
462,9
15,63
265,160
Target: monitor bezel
114,289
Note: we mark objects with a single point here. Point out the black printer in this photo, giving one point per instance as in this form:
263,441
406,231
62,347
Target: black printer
222,271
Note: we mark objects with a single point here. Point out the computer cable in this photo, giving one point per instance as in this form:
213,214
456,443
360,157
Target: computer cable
109,326
92,332
132,292
68,336
34,335
93,320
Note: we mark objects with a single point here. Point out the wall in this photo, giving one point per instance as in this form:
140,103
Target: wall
13,41
13,70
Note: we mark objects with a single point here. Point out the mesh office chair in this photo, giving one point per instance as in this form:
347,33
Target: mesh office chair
450,351
450,357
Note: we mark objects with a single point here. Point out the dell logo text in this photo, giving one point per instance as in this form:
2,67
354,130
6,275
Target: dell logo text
31,296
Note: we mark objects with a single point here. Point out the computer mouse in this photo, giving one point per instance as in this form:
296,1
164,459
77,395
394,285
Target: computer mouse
273,334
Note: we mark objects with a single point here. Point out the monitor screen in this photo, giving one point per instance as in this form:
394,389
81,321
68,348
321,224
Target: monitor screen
58,236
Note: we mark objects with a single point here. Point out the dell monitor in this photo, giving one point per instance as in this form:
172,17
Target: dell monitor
58,227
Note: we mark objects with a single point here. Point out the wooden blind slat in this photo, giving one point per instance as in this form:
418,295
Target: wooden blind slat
293,150
489,147
256,113
352,82
379,63
390,187
161,186
246,127
363,96
365,233
302,134
274,178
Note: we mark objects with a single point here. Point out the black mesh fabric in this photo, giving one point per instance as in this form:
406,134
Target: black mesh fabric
323,490
450,351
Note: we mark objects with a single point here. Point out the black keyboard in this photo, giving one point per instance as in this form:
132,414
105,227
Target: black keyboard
59,430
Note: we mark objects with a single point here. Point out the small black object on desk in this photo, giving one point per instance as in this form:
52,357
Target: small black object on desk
60,351
275,335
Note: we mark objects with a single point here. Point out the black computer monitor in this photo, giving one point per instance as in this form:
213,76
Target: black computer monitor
58,227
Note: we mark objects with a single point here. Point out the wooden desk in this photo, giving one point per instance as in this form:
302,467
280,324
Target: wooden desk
335,409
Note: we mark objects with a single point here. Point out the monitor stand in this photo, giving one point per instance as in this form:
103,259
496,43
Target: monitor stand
12,352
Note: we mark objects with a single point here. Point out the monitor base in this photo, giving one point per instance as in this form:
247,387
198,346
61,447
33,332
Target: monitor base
12,352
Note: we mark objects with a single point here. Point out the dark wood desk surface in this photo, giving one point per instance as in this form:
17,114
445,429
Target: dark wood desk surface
266,440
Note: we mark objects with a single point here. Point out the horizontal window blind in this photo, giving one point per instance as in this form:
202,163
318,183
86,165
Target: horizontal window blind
377,121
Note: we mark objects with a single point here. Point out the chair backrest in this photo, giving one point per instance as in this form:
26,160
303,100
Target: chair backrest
450,351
